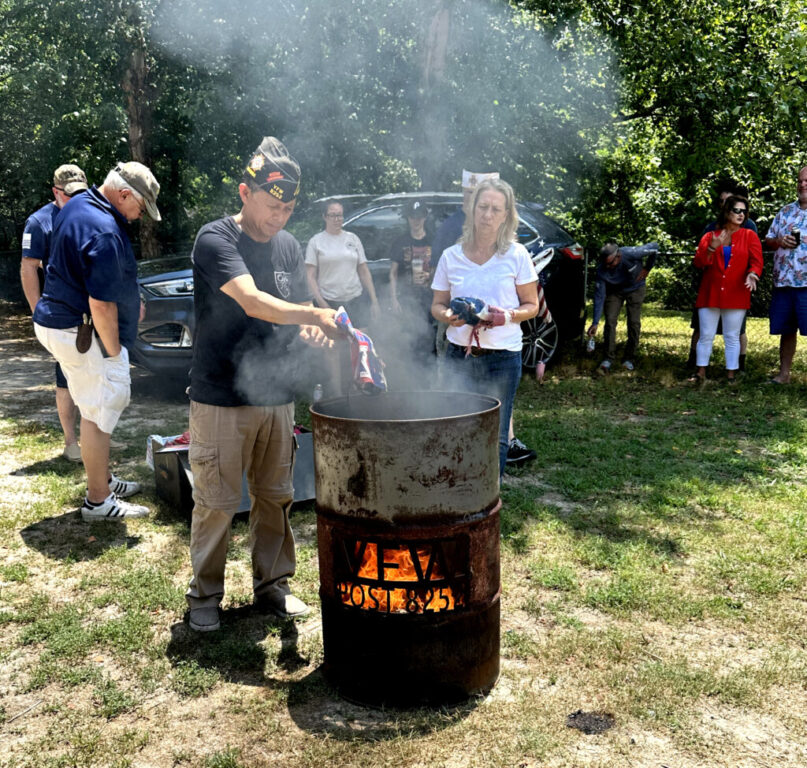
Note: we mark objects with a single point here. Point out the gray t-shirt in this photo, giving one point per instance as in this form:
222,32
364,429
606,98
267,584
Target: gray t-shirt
337,259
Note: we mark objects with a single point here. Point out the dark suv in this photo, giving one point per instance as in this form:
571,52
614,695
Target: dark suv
165,337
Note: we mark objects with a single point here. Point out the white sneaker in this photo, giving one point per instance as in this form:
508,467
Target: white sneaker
628,365
111,509
72,452
123,489
605,365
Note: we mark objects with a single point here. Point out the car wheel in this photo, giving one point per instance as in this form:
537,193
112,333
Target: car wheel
540,342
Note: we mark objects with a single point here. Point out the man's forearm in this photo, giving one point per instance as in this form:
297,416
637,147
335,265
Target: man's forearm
29,277
599,302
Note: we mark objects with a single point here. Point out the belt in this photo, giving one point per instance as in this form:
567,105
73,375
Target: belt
477,351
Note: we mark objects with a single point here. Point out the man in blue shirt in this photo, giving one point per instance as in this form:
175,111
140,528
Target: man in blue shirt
87,317
68,180
621,279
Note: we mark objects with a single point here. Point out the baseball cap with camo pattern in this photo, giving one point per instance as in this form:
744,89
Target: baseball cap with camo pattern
70,178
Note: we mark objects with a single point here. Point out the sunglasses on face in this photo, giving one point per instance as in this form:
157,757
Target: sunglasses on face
739,211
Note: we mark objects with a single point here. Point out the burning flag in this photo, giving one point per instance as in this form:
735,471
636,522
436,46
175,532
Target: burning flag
368,369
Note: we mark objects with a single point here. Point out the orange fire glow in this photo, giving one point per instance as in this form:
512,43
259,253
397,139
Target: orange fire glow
395,564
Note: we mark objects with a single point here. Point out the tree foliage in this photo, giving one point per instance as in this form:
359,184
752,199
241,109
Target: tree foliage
707,89
617,115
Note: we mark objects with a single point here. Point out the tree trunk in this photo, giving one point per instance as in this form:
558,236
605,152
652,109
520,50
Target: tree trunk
138,109
433,175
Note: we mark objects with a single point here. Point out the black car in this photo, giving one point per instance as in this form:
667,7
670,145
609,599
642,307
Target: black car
165,336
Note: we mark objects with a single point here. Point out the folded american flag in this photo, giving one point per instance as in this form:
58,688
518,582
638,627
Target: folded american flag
368,369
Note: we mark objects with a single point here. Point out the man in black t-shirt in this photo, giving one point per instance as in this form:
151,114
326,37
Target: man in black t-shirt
249,288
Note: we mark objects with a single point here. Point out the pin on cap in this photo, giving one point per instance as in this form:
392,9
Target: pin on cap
274,170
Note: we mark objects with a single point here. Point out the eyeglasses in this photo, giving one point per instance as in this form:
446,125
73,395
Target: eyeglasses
141,204
739,211
334,215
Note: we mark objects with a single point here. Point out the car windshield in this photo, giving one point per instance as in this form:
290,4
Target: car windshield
171,263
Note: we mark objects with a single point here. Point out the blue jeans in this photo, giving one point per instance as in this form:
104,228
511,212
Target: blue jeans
496,374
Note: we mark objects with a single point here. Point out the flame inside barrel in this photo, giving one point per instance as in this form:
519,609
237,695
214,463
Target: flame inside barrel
400,578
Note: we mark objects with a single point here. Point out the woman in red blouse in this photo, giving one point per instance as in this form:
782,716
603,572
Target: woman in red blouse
731,258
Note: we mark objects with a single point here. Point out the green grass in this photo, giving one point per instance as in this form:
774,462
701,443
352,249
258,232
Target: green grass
654,565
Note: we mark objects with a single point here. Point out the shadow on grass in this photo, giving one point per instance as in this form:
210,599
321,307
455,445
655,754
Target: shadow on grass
637,458
68,537
316,707
57,465
237,651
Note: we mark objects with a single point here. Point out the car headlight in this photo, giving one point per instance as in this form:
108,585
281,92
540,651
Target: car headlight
181,286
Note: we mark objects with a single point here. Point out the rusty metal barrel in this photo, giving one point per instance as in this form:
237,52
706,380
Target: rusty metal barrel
407,499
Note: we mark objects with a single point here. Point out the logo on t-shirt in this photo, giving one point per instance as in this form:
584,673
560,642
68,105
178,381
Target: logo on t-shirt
283,283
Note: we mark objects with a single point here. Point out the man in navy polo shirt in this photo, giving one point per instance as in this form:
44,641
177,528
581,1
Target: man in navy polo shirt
92,278
68,180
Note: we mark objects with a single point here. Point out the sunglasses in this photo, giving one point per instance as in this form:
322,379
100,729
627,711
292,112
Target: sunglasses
739,211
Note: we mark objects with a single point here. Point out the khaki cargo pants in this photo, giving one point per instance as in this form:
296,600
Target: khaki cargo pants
225,443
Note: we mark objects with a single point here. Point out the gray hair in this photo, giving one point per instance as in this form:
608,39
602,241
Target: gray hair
114,180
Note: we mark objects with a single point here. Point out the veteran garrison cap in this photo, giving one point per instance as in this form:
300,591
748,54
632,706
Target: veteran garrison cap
274,170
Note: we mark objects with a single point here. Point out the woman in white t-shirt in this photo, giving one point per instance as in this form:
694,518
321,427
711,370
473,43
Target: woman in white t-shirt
488,264
337,270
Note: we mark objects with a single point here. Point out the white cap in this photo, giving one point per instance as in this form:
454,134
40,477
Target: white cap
471,180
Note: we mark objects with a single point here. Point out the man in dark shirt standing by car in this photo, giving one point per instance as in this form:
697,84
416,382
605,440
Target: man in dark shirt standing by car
68,180
92,274
249,282
621,279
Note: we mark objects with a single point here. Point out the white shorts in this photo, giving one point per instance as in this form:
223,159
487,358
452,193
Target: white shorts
100,386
